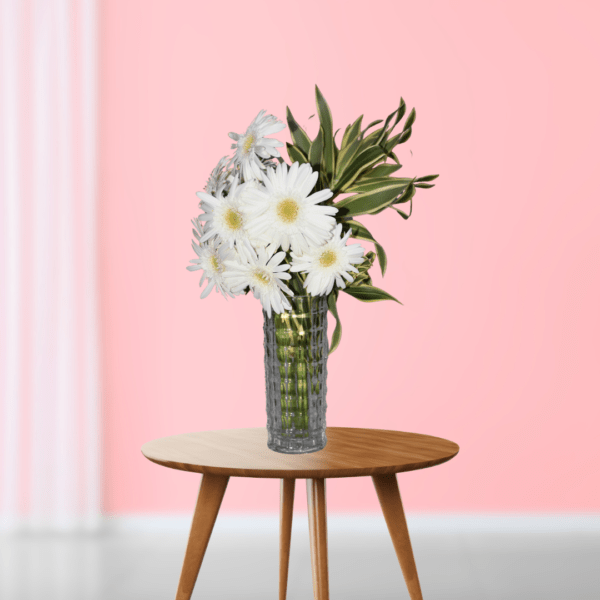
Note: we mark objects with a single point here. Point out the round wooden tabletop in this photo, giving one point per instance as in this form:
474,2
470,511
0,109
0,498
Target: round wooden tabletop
349,452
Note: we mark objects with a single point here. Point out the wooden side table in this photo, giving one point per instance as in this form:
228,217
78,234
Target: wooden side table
350,452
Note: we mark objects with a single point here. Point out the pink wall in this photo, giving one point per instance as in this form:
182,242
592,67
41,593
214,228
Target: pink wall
497,343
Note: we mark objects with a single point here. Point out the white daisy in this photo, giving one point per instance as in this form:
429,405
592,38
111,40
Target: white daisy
253,145
328,264
211,259
225,216
264,274
282,213
220,177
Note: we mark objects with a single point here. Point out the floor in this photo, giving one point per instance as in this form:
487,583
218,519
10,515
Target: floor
452,565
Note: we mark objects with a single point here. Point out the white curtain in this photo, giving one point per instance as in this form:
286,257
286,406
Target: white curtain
49,371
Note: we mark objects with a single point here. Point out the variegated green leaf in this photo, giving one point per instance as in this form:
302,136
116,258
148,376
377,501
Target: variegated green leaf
371,139
407,195
336,338
363,160
380,171
328,161
345,158
410,119
316,151
426,178
369,293
385,126
392,142
382,258
371,124
424,185
372,201
401,111
352,132
404,215
299,136
360,232
405,135
295,154
370,185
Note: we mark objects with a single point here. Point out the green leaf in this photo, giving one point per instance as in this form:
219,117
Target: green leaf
360,232
370,202
299,136
426,178
362,279
345,157
404,136
370,140
369,293
385,126
410,119
382,258
380,171
371,124
401,111
315,153
392,142
404,215
370,185
352,132
295,154
325,117
425,185
407,195
336,338
363,160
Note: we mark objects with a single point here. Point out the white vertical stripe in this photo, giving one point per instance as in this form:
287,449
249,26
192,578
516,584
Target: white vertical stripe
63,231
91,351
11,240
44,192
66,449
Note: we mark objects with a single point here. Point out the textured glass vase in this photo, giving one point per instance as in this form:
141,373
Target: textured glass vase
296,351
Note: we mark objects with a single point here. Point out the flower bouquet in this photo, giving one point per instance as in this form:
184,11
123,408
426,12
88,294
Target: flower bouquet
283,232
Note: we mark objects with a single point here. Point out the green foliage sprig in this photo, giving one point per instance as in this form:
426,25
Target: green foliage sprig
360,167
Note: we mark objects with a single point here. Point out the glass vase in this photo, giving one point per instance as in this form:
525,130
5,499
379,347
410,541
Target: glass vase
296,350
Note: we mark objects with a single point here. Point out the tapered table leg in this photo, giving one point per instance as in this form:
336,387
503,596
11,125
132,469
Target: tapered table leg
391,505
210,497
286,515
317,524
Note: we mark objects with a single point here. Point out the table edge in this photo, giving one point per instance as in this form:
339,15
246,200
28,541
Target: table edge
306,473
301,473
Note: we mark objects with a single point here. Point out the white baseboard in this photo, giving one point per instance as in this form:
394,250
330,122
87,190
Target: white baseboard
368,523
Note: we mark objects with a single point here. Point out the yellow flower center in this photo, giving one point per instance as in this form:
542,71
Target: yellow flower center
262,277
248,143
215,263
327,258
233,219
287,210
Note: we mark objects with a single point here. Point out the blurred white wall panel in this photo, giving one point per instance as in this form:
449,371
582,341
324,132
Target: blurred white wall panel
49,357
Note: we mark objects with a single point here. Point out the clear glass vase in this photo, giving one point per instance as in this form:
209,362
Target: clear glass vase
296,350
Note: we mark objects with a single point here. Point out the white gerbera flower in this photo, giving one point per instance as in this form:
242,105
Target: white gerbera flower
282,213
264,274
328,264
253,145
225,216
211,259
220,177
